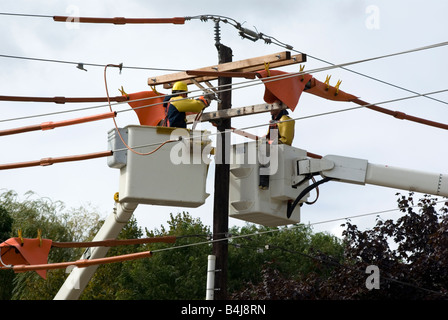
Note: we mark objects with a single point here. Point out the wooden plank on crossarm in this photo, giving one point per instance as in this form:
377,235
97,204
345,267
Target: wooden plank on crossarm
248,65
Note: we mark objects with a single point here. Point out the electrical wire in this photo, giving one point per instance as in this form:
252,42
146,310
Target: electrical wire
245,33
86,64
274,78
254,36
299,118
292,206
330,260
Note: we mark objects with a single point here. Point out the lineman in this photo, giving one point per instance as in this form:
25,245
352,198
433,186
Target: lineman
177,105
281,122
285,126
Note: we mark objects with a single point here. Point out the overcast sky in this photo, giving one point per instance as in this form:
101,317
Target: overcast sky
332,31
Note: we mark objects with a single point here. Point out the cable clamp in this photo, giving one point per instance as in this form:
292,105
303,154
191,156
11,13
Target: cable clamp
327,82
266,67
19,232
337,87
39,237
301,68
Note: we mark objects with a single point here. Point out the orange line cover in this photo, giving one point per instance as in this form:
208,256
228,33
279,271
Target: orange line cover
119,20
50,161
82,263
51,125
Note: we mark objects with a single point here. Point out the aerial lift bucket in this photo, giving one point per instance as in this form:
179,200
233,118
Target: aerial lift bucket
173,172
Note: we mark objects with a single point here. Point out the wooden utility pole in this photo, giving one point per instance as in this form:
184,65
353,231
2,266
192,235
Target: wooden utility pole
224,72
222,165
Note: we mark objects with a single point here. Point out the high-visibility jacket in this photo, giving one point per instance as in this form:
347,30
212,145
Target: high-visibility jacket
285,128
176,108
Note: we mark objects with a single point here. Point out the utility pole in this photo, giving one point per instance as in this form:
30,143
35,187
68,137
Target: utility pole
222,165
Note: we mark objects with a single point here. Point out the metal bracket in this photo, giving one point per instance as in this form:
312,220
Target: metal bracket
312,166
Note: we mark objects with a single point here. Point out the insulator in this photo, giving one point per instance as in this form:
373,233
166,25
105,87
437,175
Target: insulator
217,33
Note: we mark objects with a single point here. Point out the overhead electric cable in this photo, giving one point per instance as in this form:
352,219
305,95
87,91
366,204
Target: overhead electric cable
62,100
50,161
85,64
254,36
51,125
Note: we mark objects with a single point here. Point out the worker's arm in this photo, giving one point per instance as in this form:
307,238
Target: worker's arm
188,105
286,130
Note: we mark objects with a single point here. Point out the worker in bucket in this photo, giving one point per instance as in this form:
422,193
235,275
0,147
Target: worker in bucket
281,131
177,105
285,126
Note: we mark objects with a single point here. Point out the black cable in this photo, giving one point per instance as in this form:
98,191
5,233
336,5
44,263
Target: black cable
291,206
86,64
25,15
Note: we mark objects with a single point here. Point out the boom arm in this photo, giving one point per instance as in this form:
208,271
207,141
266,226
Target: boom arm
78,279
359,171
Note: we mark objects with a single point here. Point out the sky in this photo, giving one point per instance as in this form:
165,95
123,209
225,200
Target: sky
327,31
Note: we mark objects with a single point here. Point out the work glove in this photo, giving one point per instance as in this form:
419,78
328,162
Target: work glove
205,100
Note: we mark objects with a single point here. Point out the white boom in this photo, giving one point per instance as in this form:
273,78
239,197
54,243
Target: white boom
359,171
78,279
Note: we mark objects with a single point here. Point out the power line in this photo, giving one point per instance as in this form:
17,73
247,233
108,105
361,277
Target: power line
256,82
254,36
328,260
25,15
80,65
245,33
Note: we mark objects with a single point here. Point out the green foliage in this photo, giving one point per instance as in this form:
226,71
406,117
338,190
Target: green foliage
34,213
284,249
6,276
175,271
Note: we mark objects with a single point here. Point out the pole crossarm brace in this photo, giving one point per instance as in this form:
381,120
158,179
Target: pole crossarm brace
236,112
241,68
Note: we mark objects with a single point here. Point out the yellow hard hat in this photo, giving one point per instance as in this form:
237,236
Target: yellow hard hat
180,86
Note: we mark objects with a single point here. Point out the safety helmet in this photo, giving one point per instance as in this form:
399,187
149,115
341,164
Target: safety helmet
180,86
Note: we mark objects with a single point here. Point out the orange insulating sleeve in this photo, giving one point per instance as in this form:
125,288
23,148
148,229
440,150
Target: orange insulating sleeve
113,242
401,115
51,125
82,263
328,92
61,100
50,161
119,20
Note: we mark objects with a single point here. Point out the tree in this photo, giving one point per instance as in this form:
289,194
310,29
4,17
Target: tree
6,276
272,263
56,223
175,271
